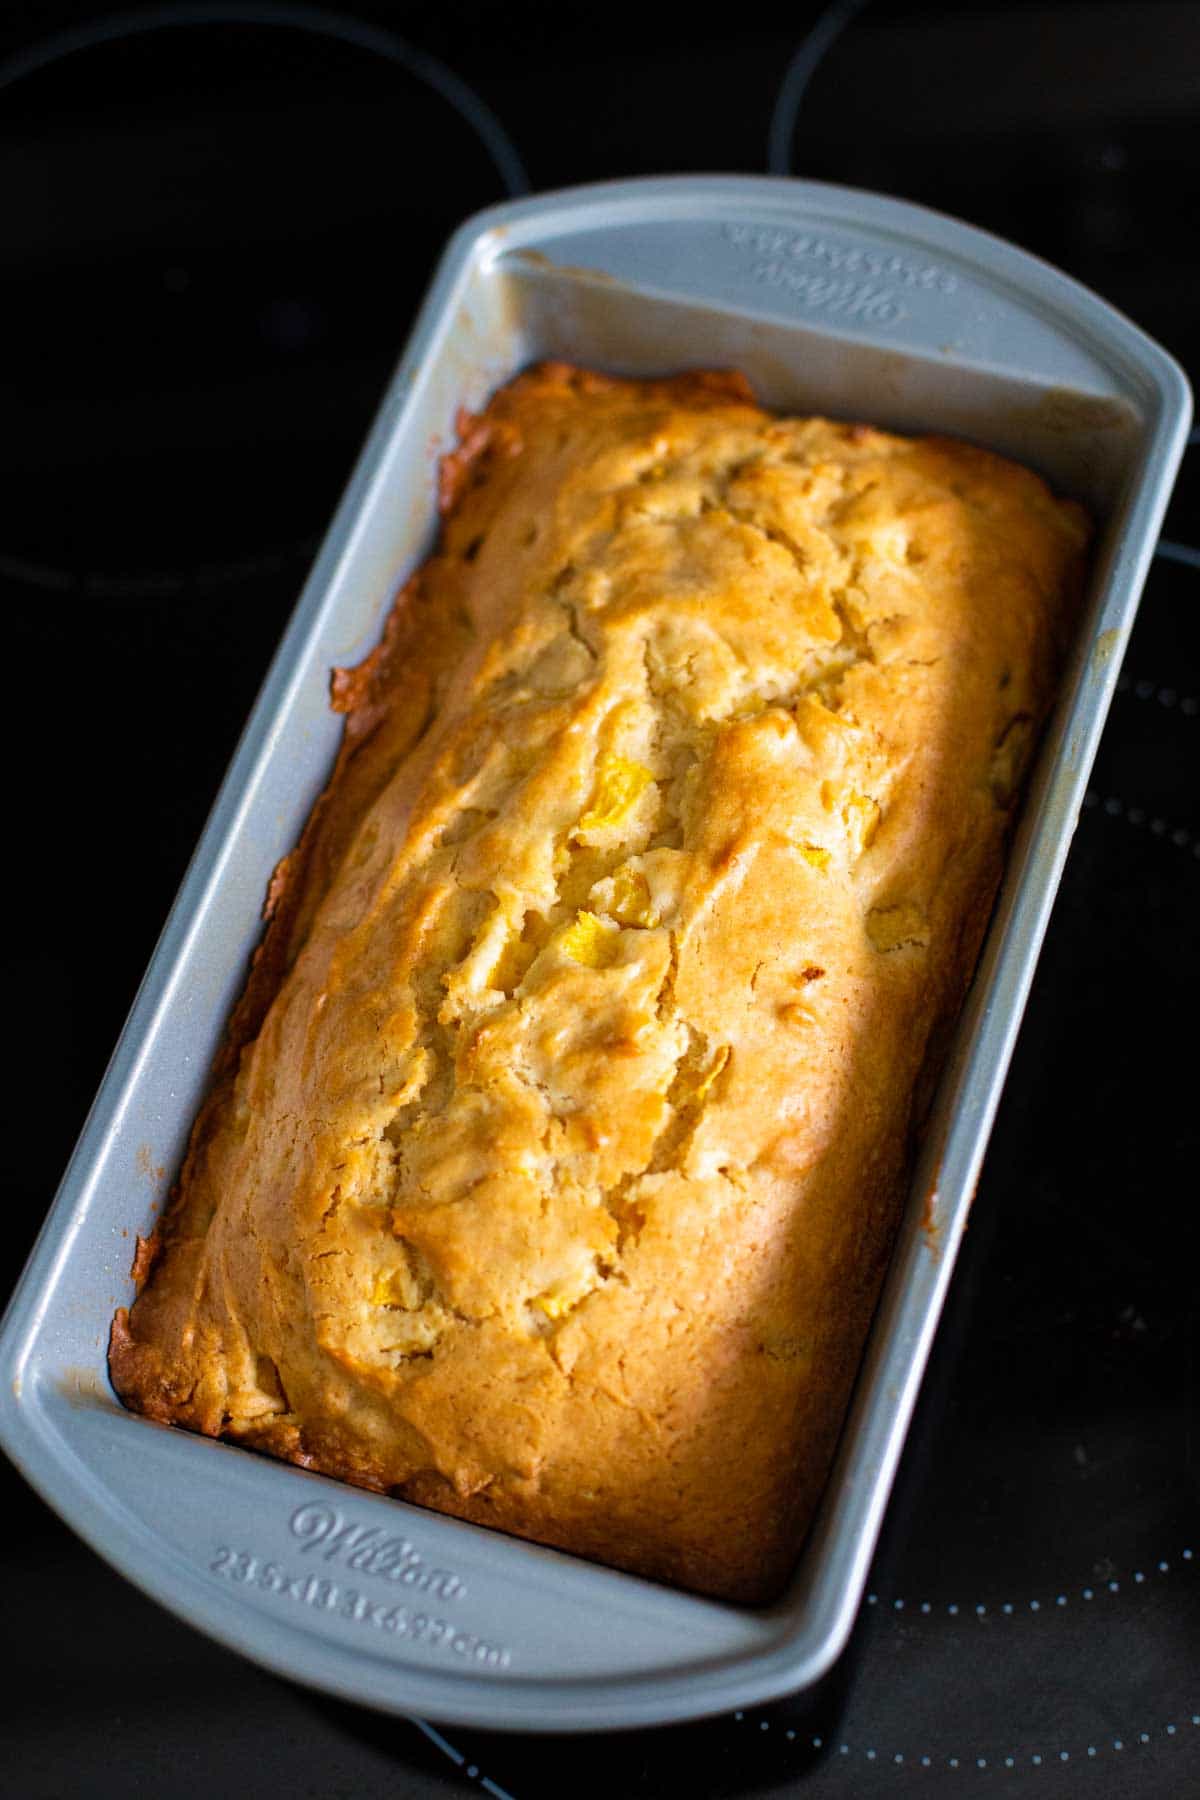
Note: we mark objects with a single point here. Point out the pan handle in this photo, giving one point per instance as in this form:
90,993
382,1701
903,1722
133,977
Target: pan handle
854,265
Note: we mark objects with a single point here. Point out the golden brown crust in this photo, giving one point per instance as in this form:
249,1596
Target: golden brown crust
552,1169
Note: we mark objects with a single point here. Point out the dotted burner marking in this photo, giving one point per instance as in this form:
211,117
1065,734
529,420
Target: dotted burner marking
1167,697
1033,1758
1008,1608
469,1769
1116,808
927,1759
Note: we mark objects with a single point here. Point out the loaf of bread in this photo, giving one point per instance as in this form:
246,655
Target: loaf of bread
551,1168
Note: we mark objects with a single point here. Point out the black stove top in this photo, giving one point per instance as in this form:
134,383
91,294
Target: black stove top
219,219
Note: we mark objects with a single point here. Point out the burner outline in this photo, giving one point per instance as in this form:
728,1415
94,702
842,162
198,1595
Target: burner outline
1169,697
1115,808
806,60
314,21
1008,1607
1036,1757
293,15
899,1757
471,1770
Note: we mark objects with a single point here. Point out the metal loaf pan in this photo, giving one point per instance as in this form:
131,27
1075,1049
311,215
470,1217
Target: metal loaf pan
830,300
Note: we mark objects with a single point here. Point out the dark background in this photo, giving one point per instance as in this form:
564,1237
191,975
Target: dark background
214,235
